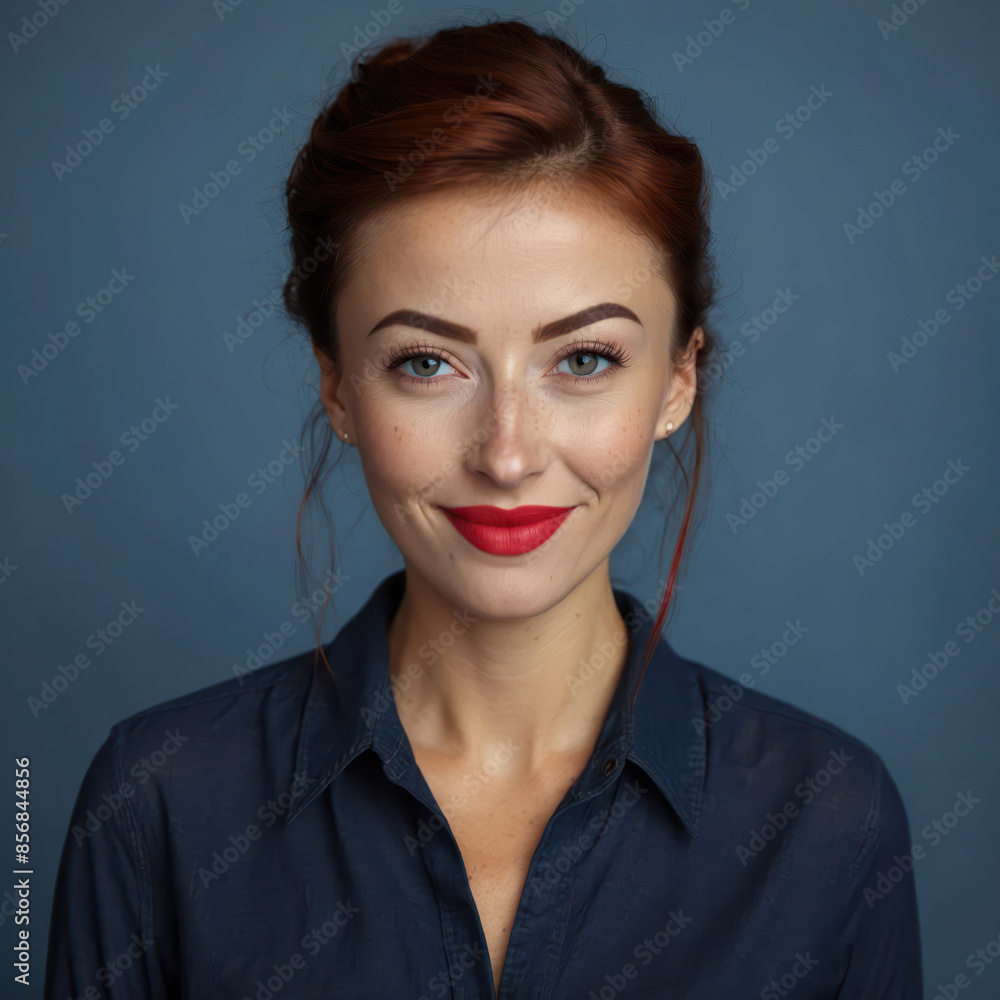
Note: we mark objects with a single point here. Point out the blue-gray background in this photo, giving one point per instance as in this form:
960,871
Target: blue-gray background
222,73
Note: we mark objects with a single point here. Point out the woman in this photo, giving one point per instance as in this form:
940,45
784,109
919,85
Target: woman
498,779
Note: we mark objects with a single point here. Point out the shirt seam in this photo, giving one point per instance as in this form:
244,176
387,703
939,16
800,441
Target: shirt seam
869,832
186,701
137,847
813,722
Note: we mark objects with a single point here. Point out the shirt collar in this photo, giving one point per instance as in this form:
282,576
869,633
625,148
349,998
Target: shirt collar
663,734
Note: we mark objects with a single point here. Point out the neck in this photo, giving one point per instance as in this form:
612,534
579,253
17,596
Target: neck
541,685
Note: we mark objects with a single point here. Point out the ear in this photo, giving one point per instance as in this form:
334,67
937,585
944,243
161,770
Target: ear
329,394
683,388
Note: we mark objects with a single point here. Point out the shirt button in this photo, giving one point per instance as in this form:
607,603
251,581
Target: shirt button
609,765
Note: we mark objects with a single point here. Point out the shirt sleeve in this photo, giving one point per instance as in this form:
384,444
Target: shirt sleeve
100,935
884,930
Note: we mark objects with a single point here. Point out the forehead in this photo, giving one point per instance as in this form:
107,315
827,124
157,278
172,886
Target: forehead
529,242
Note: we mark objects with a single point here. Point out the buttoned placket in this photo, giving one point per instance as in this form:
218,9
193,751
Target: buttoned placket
467,968
545,914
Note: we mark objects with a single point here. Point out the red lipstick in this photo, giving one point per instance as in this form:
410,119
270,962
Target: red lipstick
506,531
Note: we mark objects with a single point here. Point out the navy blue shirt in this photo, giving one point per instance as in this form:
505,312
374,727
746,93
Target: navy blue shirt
271,838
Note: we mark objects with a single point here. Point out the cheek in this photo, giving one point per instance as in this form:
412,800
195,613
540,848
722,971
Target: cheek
403,459
613,457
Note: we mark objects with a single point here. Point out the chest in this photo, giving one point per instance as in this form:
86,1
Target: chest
497,825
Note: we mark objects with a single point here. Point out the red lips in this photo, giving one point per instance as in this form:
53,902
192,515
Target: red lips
507,531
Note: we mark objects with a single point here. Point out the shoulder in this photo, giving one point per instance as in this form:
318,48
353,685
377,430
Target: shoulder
749,722
797,764
194,744
236,707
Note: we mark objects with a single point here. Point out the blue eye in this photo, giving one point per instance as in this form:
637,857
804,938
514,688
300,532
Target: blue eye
585,359
425,366
589,362
585,363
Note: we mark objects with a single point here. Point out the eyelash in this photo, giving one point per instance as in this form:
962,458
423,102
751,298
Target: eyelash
618,357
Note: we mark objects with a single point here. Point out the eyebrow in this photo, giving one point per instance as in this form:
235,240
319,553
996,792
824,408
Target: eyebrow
557,328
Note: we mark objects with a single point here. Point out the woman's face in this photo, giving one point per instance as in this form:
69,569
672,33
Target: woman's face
483,408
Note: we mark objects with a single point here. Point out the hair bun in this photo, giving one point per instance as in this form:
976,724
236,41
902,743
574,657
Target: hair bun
392,52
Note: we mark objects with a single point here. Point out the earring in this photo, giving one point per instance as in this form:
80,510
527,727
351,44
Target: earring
670,427
345,435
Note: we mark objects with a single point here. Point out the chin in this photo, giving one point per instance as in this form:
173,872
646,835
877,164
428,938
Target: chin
523,589
511,589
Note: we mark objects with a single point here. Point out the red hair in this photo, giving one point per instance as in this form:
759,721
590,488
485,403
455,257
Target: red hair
503,104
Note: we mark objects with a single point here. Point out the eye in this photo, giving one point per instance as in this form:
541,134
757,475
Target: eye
584,361
589,362
418,363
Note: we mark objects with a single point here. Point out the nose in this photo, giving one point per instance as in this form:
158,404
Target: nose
510,440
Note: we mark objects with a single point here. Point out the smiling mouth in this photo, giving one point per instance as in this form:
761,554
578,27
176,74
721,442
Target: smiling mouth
507,531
